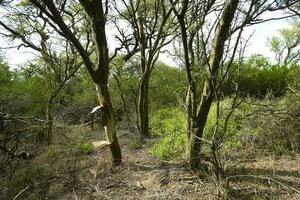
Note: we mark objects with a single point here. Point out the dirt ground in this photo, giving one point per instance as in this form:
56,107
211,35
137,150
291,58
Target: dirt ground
79,176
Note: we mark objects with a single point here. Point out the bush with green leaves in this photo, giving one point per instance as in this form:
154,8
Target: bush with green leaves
168,125
258,77
85,148
167,86
23,91
135,144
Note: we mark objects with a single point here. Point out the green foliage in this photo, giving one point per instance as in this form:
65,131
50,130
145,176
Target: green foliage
279,148
135,144
257,77
286,45
128,76
169,125
233,145
5,74
22,92
225,128
85,148
80,91
167,87
5,83
51,153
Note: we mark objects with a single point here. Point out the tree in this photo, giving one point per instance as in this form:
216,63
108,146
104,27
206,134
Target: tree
204,54
57,65
286,46
208,93
293,6
151,28
98,69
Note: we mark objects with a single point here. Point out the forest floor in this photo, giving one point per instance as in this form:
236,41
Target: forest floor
59,173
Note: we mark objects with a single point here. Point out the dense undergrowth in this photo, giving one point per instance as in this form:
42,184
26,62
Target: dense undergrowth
269,125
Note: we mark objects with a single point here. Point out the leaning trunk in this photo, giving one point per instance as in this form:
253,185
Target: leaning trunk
143,119
210,83
108,122
198,127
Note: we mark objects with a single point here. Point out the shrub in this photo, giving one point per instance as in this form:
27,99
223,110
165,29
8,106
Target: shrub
85,148
135,144
271,125
169,125
257,77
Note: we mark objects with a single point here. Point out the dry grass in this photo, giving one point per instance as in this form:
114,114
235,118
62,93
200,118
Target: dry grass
87,177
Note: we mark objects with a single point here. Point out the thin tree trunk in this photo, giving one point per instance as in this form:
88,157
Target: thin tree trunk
189,121
108,122
190,115
48,125
122,95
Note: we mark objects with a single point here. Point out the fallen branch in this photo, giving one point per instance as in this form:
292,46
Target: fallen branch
19,194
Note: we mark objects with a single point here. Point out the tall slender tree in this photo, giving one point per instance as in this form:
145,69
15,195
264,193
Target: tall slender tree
151,28
98,69
205,50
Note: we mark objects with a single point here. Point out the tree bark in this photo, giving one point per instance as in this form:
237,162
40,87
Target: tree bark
108,122
190,114
143,108
199,125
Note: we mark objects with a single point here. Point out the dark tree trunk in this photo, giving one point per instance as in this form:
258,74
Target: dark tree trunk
143,109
